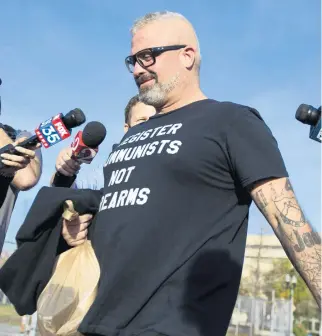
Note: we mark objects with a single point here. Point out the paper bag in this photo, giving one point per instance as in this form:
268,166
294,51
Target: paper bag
69,293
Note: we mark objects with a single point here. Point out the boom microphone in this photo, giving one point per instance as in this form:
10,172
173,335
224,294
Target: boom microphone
84,148
309,115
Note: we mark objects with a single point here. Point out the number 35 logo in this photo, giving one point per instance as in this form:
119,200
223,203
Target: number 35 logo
51,134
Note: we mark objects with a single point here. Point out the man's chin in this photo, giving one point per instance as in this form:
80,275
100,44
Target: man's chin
145,91
147,86
152,100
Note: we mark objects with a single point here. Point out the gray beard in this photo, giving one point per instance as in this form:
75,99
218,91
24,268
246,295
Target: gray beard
157,95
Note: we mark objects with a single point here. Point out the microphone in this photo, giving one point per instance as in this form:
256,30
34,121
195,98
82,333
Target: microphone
84,148
309,115
59,127
51,131
85,144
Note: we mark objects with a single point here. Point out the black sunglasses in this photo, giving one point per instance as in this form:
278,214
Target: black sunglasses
146,57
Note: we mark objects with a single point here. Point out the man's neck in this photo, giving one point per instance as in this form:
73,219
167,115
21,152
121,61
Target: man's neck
189,96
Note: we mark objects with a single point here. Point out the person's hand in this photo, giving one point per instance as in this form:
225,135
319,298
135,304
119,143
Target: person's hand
65,164
15,162
24,150
75,231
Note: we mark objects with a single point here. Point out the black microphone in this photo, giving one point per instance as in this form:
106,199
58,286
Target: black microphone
309,115
84,149
50,132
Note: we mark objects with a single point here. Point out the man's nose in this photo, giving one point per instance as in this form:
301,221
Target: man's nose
138,70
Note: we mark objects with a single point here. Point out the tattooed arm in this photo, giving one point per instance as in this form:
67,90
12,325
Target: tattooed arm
276,200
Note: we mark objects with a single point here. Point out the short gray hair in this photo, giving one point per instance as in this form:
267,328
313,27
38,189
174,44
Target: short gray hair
156,16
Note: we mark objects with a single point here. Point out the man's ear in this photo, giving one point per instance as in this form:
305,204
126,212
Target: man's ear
126,127
188,57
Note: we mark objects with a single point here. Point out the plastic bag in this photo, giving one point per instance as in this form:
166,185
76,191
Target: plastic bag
69,293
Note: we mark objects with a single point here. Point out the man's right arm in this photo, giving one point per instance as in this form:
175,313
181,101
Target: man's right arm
65,165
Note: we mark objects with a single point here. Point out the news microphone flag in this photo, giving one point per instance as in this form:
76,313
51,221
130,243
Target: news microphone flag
316,132
84,149
52,131
81,152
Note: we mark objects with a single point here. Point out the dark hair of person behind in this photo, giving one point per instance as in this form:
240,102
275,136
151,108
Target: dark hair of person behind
132,102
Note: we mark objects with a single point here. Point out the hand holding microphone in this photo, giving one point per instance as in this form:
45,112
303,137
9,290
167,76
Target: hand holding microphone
66,164
20,160
48,134
11,162
83,150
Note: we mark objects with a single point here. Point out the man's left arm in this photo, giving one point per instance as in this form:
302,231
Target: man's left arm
276,199
257,165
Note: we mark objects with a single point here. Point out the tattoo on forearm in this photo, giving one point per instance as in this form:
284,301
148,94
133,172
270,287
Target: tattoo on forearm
261,200
305,251
310,265
301,243
287,206
307,239
288,185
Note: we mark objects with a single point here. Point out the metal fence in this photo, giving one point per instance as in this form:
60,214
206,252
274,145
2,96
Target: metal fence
255,316
251,317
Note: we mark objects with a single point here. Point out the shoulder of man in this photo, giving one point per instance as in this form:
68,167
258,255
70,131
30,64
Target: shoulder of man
226,114
236,109
15,133
11,132
240,116
23,134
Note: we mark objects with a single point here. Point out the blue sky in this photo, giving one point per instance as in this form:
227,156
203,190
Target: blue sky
58,55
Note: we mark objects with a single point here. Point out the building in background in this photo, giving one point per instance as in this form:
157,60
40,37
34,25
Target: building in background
262,249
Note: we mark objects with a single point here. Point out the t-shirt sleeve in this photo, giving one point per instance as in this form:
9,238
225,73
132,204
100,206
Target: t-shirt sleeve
252,149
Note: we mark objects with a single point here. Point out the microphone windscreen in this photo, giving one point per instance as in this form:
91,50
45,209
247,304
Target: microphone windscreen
307,114
93,134
74,118
301,112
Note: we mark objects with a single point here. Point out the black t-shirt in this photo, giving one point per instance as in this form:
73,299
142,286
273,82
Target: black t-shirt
171,231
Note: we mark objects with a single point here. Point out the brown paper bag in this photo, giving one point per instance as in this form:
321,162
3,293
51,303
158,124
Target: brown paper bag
69,293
